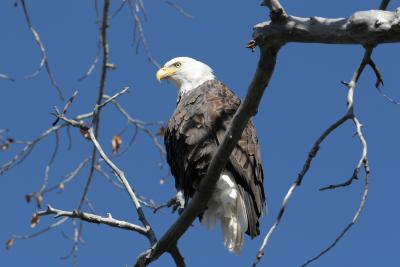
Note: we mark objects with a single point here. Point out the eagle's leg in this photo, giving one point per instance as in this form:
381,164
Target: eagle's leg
178,202
180,199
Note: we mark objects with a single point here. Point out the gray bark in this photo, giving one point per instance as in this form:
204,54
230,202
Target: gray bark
366,28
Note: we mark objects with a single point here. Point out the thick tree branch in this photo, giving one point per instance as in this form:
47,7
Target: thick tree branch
384,4
367,28
247,109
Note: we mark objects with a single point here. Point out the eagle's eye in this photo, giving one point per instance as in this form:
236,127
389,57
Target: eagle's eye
177,65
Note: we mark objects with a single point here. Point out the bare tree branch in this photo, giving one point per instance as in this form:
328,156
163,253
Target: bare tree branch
109,99
126,184
178,8
367,28
94,64
67,178
6,77
120,174
362,17
277,13
384,4
44,61
139,124
142,38
93,218
118,10
364,161
314,150
97,111
48,228
21,156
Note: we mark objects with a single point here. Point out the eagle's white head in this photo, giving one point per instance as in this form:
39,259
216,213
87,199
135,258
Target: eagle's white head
186,73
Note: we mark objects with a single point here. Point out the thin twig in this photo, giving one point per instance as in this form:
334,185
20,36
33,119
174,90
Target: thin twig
118,10
109,99
67,105
139,28
6,77
140,124
178,8
363,161
379,82
44,61
94,64
52,226
311,155
69,177
21,156
115,183
52,158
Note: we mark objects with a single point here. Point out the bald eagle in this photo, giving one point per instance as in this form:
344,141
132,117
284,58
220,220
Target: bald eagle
204,110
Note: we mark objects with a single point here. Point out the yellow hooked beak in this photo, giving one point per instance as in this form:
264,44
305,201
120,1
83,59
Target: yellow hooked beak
165,72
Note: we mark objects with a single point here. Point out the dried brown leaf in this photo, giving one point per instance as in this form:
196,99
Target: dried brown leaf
116,142
34,220
161,131
10,242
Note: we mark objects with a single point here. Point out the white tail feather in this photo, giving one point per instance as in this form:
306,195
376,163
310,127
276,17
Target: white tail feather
227,206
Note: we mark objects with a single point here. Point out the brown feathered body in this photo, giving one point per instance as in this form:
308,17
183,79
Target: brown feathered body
193,134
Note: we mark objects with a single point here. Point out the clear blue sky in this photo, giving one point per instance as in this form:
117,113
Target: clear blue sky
304,97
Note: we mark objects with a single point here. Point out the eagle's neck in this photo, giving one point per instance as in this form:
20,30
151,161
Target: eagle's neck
186,86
